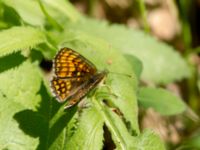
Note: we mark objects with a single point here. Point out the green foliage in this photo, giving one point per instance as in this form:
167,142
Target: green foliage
161,100
191,143
154,55
136,64
149,140
64,8
18,38
99,52
32,119
198,82
19,88
90,130
26,11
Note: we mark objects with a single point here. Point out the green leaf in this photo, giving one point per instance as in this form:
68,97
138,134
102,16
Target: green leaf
14,59
11,136
149,141
191,143
101,53
3,25
29,120
18,91
105,57
51,20
122,138
29,11
198,82
89,133
59,9
58,125
161,100
18,38
136,64
65,8
10,16
16,84
154,55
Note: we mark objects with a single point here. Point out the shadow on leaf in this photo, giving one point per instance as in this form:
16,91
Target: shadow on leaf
60,124
11,61
32,123
37,123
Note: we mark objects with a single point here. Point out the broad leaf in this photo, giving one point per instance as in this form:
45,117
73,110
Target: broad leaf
89,133
191,143
136,64
161,100
65,8
122,138
26,11
154,55
56,9
149,141
105,57
18,91
18,38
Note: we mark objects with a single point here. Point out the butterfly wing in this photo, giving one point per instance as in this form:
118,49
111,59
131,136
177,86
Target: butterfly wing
85,88
64,88
74,90
74,76
68,64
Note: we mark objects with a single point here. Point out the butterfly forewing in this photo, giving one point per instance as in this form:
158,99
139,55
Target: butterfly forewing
69,63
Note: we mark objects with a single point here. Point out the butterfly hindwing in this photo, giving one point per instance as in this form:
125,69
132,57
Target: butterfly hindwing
64,88
82,91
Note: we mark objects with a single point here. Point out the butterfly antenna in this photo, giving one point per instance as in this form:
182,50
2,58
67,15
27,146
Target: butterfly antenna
122,74
63,43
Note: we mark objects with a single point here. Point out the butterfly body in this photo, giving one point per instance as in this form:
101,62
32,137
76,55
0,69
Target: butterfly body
74,77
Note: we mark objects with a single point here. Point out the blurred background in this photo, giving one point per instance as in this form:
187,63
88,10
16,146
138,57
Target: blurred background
176,22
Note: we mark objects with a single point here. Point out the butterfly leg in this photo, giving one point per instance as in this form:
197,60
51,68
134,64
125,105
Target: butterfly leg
71,103
81,104
84,104
105,90
108,98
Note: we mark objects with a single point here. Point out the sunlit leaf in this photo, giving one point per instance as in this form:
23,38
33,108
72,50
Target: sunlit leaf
154,54
18,92
19,38
161,100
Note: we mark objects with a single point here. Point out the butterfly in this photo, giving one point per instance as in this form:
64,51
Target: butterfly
74,77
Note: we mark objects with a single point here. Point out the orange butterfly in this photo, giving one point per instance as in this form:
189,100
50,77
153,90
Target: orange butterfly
75,76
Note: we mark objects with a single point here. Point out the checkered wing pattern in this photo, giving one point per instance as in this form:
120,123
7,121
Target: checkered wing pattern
74,76
64,88
68,64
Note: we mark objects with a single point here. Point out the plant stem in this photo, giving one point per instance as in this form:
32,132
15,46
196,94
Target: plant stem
105,114
91,7
51,20
143,14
